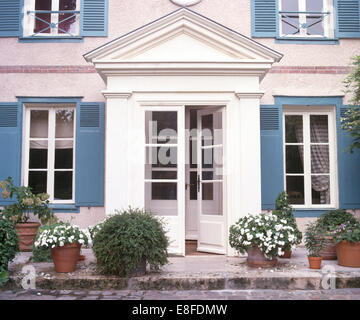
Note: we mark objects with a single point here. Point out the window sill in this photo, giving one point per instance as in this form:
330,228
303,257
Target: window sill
51,39
64,208
325,41
310,213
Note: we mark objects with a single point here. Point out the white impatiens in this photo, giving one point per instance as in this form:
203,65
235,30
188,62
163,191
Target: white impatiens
59,235
266,231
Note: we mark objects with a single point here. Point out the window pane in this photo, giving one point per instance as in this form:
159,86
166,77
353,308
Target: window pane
163,191
38,181
64,154
320,189
290,21
294,159
67,20
39,123
319,131
193,185
38,154
293,129
161,126
320,159
64,124
295,189
63,185
46,17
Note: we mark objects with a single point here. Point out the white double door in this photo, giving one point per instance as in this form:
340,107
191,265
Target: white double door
184,179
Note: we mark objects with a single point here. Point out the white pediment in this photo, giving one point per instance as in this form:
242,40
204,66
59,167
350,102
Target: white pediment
182,39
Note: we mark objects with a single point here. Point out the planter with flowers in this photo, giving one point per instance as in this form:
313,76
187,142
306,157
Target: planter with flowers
65,242
347,238
19,212
263,237
314,243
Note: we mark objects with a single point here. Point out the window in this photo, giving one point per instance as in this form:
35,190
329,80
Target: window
49,157
306,19
51,18
309,157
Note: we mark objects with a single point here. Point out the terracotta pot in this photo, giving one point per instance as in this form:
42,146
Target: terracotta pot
286,255
26,234
66,257
257,259
348,254
329,250
315,262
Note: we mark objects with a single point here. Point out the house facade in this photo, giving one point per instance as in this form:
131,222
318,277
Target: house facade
199,111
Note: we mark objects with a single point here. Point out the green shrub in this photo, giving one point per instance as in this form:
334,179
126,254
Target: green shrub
41,254
283,210
8,246
330,220
128,238
314,240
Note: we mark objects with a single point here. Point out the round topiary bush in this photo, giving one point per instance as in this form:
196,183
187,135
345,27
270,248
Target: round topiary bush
127,239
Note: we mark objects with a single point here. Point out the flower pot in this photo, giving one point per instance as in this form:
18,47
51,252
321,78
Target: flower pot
348,254
329,250
66,257
286,255
26,234
315,262
257,259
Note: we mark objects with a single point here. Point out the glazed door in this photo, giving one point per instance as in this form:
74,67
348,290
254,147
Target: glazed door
210,183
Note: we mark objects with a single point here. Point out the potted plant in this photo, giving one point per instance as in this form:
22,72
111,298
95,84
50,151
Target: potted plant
65,242
328,222
19,212
314,243
127,241
347,238
283,210
263,237
8,247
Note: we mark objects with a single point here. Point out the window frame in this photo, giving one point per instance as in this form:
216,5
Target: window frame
51,107
305,111
329,28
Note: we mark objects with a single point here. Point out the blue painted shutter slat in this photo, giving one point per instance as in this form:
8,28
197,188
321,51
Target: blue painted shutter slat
272,174
94,18
9,18
264,16
90,155
348,18
10,144
349,169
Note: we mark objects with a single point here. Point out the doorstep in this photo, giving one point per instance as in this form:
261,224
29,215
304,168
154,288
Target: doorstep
209,272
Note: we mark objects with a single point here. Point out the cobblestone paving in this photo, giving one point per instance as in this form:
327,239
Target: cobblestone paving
339,294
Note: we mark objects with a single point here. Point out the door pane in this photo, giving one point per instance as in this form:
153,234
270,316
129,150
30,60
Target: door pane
293,129
295,189
161,198
212,198
39,124
319,131
64,124
160,127
38,181
193,185
38,154
320,189
63,185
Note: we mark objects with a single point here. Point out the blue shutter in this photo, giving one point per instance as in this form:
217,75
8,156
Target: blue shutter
9,18
10,143
348,170
272,172
94,18
348,18
264,18
89,169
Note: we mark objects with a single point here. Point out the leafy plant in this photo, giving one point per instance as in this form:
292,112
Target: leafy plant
283,210
349,231
314,240
8,246
27,203
330,220
267,231
128,238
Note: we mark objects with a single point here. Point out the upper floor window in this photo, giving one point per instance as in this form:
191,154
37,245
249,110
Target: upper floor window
306,18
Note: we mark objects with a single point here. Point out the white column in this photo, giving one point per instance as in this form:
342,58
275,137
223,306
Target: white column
117,129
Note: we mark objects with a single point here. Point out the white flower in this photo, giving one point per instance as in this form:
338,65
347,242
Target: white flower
249,236
61,244
81,241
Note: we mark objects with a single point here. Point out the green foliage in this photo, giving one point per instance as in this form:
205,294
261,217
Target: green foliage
128,238
351,122
283,210
330,220
348,231
26,202
314,240
8,246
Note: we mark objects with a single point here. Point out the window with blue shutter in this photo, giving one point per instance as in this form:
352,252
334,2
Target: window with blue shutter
94,15
10,18
348,18
272,173
349,168
264,18
90,155
10,143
